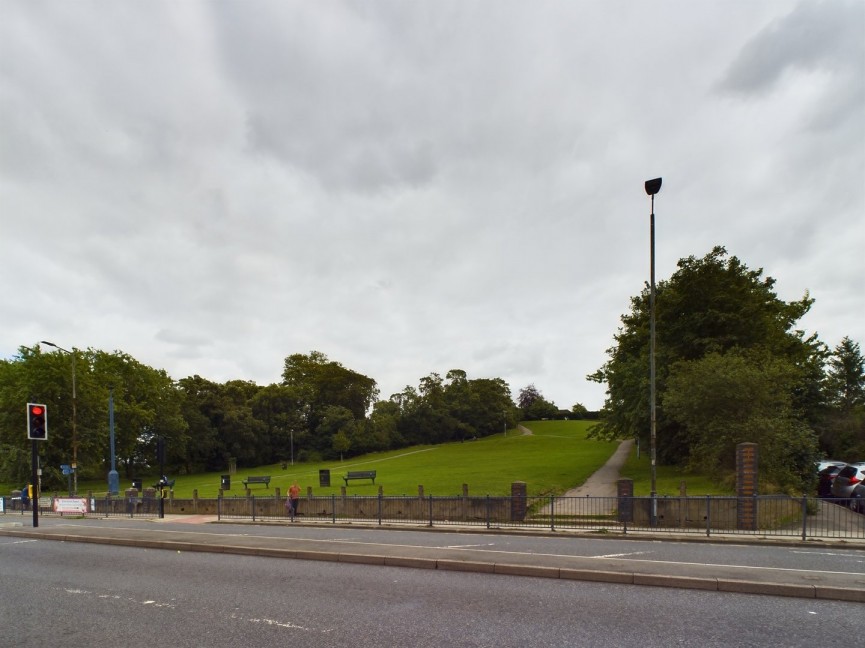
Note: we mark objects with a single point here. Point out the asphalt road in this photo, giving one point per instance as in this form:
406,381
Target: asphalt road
80,594
788,568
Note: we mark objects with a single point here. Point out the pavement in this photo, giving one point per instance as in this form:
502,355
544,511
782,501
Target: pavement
226,538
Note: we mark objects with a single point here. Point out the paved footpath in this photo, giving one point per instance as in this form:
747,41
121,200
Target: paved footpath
602,483
462,554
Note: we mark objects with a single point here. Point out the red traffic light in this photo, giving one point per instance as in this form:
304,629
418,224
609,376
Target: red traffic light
37,422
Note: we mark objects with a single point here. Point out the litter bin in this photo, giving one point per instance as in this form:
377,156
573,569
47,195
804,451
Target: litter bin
324,478
136,484
226,482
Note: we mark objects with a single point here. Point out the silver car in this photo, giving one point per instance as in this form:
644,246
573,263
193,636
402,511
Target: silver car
845,481
857,498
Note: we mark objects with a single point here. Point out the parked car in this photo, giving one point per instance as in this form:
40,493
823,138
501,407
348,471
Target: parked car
857,498
846,479
825,478
825,463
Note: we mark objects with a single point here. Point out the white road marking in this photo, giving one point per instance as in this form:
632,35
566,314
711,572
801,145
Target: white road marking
468,546
524,553
633,553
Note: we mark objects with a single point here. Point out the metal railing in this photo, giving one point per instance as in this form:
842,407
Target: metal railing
805,517
101,507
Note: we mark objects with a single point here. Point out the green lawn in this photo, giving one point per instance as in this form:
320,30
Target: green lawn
667,478
554,458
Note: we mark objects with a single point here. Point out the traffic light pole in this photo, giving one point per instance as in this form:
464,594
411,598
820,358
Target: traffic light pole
34,479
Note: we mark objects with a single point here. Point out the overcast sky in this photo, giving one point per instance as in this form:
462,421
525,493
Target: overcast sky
414,187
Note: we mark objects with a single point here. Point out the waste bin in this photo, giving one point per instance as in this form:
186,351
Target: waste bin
136,484
226,482
324,478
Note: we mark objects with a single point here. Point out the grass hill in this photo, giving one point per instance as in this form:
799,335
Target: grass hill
555,457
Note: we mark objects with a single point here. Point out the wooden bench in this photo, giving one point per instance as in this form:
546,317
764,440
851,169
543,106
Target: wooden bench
257,480
360,474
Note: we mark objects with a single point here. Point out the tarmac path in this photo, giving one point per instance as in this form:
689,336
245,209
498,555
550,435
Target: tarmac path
602,483
600,486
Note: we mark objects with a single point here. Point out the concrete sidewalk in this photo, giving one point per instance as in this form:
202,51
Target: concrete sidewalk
730,578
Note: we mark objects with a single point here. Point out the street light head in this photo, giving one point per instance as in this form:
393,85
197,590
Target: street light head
48,343
653,186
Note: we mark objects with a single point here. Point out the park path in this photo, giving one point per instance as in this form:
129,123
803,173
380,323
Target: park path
600,484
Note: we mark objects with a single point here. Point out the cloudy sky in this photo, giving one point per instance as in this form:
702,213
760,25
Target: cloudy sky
413,187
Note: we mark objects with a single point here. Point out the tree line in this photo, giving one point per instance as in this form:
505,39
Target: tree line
320,410
732,367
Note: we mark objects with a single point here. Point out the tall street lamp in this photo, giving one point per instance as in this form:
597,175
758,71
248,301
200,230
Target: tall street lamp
74,408
652,187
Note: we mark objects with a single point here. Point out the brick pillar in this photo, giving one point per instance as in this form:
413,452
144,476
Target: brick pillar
518,501
625,493
746,486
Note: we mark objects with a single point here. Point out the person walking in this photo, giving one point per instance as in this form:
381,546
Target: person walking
293,500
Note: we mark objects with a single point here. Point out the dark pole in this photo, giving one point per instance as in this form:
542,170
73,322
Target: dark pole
34,480
160,450
113,477
652,187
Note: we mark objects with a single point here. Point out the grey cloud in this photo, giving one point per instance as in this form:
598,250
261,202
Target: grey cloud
814,36
415,187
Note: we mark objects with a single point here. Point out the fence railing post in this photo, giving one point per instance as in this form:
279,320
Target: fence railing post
708,515
804,516
552,513
624,518
488,510
333,506
430,500
380,496
253,508
219,507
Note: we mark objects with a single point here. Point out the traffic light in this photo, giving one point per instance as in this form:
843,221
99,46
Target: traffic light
37,421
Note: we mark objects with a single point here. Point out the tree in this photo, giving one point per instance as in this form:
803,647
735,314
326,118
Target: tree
147,406
711,305
842,427
579,411
722,400
845,382
528,395
334,432
319,383
533,405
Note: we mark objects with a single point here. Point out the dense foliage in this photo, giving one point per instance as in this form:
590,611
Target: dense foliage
730,368
320,410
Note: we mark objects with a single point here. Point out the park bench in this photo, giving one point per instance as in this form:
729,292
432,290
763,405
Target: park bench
257,480
360,474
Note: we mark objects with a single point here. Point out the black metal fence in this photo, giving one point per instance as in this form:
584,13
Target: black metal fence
804,517
143,507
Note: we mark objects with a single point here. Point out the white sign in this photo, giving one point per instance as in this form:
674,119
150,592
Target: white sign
70,505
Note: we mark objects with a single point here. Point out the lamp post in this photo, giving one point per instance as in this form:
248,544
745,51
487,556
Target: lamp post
652,187
74,408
